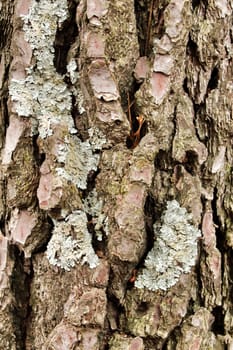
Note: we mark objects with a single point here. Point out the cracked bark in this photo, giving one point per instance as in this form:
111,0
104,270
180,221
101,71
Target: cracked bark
67,284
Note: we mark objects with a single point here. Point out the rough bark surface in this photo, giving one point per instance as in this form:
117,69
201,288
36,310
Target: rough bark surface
116,205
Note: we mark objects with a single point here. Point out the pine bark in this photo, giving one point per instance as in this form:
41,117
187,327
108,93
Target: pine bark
116,174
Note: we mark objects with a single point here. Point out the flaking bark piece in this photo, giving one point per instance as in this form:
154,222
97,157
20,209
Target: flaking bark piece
102,82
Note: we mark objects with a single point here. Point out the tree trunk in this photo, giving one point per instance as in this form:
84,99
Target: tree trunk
116,173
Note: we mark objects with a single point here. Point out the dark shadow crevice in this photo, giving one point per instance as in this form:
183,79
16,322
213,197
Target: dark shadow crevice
195,3
6,27
185,86
115,310
163,160
48,226
201,4
150,216
137,121
191,162
152,213
142,15
37,155
218,324
64,39
21,281
154,342
192,52
213,82
4,94
220,236
150,23
20,286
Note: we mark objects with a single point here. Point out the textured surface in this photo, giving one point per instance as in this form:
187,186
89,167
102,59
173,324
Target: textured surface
174,251
116,234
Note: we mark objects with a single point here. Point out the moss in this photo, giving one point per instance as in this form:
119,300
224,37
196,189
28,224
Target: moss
23,176
121,41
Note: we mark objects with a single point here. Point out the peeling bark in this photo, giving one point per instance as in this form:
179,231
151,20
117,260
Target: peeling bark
111,113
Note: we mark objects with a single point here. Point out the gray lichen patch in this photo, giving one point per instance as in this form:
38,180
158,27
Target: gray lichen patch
71,243
78,159
94,207
45,97
174,251
43,94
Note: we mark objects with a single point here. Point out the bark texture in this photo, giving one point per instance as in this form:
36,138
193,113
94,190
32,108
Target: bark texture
116,157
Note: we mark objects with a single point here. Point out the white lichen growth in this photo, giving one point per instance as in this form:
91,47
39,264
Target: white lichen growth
93,206
71,243
96,138
174,251
72,71
78,160
44,97
43,94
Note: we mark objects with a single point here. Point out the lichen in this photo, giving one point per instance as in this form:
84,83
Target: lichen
71,243
174,251
43,94
45,97
96,138
72,71
78,159
93,206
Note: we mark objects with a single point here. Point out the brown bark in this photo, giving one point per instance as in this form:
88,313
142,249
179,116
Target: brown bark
116,156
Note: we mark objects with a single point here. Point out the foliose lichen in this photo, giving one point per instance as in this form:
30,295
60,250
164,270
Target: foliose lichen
71,243
78,160
44,97
93,206
174,251
43,94
72,70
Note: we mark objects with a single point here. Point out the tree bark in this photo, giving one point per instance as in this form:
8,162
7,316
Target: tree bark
116,173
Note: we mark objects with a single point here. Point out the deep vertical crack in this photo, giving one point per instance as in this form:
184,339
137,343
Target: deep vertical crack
64,39
150,23
20,286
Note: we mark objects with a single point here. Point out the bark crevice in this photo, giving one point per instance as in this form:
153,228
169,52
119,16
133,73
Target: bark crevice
20,285
64,38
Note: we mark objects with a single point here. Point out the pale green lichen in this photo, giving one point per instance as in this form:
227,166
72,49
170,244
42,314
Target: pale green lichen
78,159
72,71
174,251
71,243
93,206
43,94
96,138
